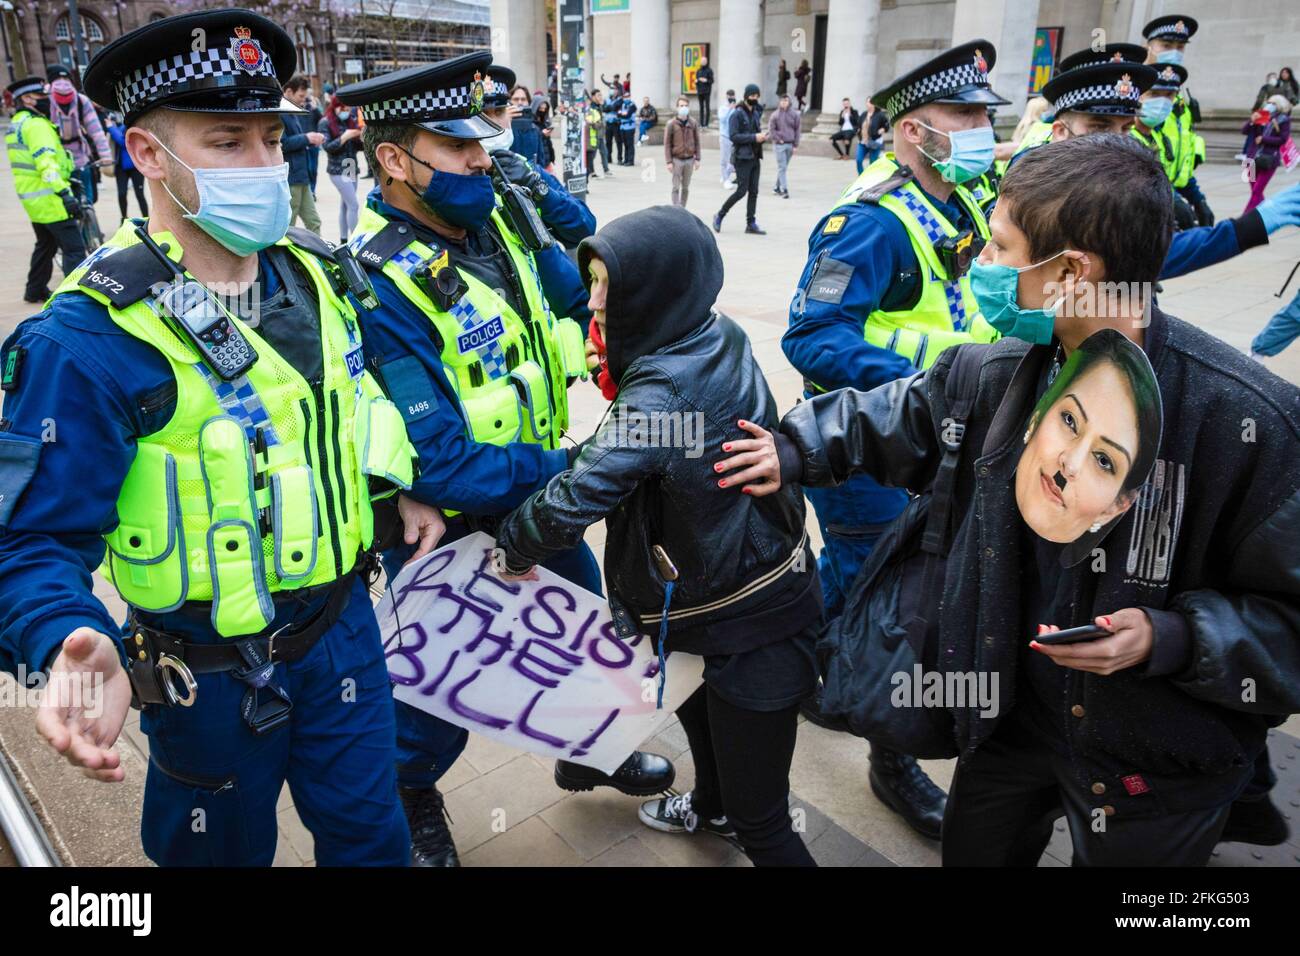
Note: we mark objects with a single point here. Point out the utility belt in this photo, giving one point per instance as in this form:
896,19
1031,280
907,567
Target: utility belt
158,661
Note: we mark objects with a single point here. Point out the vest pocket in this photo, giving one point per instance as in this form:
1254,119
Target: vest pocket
381,440
492,414
573,348
534,408
241,603
293,522
147,549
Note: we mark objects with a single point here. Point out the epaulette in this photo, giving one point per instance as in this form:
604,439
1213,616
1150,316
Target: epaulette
902,176
308,241
385,244
125,276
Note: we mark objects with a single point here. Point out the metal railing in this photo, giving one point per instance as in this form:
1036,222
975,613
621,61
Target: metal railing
21,827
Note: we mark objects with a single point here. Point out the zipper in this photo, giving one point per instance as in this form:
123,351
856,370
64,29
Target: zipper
199,783
534,331
323,457
338,455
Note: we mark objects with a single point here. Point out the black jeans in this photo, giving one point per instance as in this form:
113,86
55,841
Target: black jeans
134,178
1004,799
844,136
52,237
746,183
617,135
742,769
627,146
705,115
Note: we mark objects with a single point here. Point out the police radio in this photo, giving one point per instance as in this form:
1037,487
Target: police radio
355,278
201,317
519,208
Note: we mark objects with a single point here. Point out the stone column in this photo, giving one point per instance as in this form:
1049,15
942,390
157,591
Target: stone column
1010,25
517,26
740,50
652,62
850,69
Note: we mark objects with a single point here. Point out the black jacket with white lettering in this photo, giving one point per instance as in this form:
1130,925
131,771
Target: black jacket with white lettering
684,371
1211,552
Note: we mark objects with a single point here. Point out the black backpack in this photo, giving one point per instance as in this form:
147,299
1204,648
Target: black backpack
890,620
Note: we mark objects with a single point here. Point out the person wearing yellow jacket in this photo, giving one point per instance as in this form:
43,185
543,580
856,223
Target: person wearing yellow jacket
42,171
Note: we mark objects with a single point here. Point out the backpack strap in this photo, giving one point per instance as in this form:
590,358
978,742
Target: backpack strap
960,390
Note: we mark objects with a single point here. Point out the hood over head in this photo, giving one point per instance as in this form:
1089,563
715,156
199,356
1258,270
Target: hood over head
665,273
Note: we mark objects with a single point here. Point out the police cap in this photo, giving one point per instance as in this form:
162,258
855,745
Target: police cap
445,98
959,75
1109,89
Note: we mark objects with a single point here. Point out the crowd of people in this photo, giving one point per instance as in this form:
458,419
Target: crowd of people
1022,468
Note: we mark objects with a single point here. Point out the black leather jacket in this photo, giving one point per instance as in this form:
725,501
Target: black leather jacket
686,375
1211,554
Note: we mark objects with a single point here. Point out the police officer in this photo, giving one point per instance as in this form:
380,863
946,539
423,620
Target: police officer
894,250
567,216
1167,39
1152,129
475,354
205,453
43,171
1100,92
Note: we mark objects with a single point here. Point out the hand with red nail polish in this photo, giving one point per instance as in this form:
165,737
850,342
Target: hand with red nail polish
1129,644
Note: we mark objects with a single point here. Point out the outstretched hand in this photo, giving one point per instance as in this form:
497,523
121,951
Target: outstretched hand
761,474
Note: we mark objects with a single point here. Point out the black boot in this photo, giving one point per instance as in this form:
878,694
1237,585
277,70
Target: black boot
426,814
641,775
1255,821
900,784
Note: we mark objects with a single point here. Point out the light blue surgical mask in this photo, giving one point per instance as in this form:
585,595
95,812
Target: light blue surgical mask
970,157
996,288
1155,111
245,208
502,140
1170,56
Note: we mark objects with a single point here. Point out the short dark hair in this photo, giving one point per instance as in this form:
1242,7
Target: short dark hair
1103,193
378,132
296,82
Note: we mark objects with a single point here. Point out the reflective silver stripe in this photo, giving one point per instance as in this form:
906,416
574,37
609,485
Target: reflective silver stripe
22,165
39,192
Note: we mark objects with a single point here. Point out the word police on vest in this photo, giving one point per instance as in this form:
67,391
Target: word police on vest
77,909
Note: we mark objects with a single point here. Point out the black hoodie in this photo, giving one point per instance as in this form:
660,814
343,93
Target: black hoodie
745,573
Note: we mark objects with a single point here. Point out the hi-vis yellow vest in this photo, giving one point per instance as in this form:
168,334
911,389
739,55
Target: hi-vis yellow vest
254,486
946,313
509,372
42,167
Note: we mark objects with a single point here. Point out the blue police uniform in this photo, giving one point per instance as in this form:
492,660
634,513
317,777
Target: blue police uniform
82,395
824,342
567,216
456,472
91,389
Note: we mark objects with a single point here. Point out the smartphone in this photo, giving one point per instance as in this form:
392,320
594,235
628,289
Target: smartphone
1074,635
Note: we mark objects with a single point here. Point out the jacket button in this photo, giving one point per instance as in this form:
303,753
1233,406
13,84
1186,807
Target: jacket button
988,640
401,230
984,472
1099,788
988,552
1108,810
1077,710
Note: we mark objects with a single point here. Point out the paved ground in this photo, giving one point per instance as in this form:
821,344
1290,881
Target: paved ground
538,824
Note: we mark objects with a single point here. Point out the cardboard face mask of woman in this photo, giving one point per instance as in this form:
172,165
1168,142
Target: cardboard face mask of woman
1090,443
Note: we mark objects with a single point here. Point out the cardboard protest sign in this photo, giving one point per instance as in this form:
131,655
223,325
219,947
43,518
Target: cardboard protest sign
533,664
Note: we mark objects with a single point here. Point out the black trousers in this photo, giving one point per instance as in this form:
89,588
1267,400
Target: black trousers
134,178
742,768
52,237
746,184
705,115
613,132
844,136
627,146
1004,799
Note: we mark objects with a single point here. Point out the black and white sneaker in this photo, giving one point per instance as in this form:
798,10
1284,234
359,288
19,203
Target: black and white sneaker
674,815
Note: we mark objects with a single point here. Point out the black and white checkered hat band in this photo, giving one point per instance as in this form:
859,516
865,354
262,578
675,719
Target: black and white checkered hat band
497,89
438,104
35,86
1101,95
936,86
197,69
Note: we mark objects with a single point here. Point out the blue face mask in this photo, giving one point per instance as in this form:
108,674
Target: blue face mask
245,209
1170,56
1155,111
460,199
970,157
995,289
